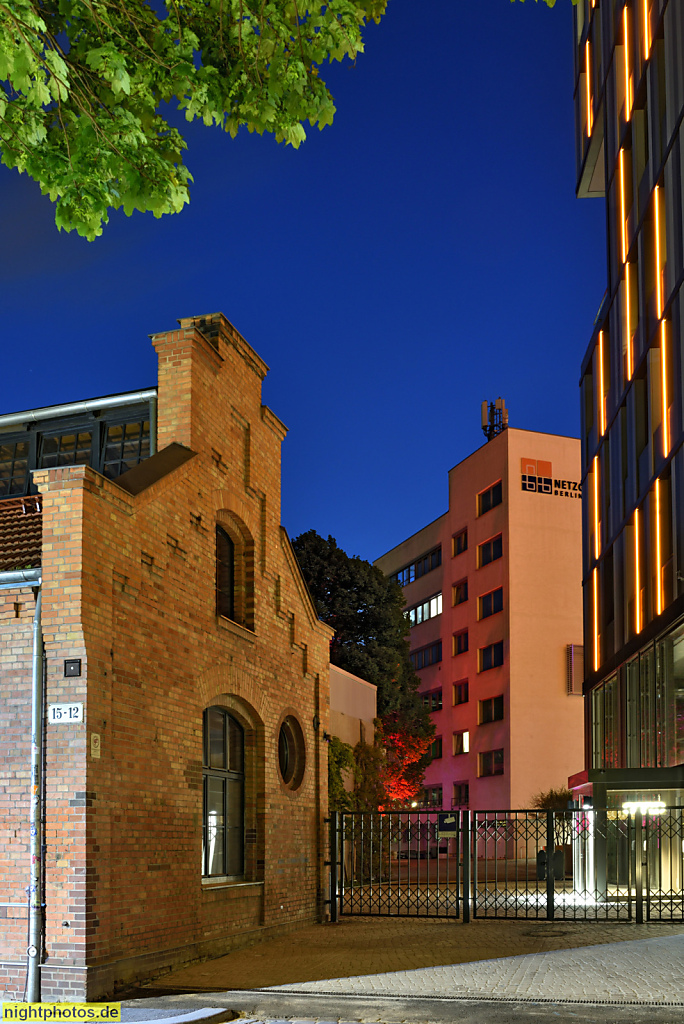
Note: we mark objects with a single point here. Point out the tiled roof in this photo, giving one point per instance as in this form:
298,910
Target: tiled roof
21,533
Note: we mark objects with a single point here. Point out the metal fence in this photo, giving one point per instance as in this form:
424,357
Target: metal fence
587,864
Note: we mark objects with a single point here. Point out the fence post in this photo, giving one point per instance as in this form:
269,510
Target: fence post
550,850
334,863
465,852
639,864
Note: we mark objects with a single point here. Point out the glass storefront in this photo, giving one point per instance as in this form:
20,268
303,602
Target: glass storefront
637,715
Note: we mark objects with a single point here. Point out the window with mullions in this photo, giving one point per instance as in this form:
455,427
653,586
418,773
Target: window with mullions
461,796
427,655
491,656
490,551
491,710
433,700
436,748
489,498
432,796
72,448
460,642
223,852
459,543
491,603
432,560
461,742
13,468
427,609
126,444
461,692
491,763
459,592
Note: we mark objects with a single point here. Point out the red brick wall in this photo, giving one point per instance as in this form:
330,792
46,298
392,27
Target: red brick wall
129,587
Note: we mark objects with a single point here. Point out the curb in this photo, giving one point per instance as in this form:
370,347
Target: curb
207,1015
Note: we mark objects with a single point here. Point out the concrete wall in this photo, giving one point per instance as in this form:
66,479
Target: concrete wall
547,732
353,707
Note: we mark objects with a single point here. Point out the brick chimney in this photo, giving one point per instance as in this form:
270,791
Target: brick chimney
196,385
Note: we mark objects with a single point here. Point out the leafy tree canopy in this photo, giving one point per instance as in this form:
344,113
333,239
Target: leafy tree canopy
552,799
84,81
366,610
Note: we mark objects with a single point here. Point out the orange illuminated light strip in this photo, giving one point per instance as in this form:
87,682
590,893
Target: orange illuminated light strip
596,645
647,32
658,551
660,303
597,543
637,573
663,374
659,269
587,61
623,214
628,323
628,84
602,411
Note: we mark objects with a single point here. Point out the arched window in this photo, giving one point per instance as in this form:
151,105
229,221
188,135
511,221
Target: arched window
225,574
223,848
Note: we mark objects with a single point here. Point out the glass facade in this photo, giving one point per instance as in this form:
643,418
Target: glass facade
111,440
637,714
629,103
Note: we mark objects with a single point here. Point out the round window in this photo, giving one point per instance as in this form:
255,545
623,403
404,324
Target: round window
291,753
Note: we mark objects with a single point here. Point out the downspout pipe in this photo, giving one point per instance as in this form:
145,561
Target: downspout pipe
34,951
12,581
153,424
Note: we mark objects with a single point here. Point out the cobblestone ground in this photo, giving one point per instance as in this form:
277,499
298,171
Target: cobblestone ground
643,971
367,946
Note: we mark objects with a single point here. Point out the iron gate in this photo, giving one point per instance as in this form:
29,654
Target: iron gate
587,864
393,864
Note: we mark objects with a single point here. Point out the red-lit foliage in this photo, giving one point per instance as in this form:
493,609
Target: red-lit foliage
404,763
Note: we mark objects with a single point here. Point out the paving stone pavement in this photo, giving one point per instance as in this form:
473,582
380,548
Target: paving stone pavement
372,945
647,970
420,970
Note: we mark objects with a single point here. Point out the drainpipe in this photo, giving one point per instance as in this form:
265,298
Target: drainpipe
13,581
153,424
34,950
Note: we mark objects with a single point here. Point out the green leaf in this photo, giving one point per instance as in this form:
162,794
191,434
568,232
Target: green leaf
85,81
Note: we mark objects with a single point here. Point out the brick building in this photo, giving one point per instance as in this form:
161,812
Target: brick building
184,814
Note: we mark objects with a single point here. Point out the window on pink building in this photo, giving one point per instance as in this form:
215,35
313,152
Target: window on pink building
491,763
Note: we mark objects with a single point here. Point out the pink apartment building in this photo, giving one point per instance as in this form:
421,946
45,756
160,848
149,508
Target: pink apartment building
494,596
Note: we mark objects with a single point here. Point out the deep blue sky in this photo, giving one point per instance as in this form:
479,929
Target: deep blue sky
423,253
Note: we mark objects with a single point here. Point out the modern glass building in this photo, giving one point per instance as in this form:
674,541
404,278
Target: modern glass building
629,104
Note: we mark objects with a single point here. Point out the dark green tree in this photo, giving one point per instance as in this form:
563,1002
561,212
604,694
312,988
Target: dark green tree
366,610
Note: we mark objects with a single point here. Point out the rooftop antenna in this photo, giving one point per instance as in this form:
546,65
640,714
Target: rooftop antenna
494,418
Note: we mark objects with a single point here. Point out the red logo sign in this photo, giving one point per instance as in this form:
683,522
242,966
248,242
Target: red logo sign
537,476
